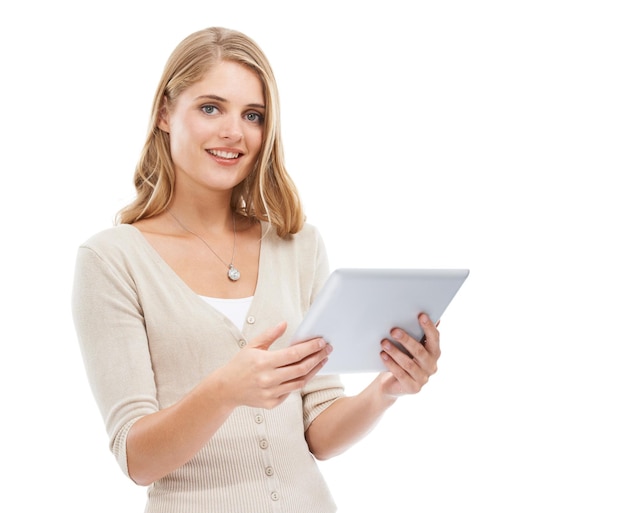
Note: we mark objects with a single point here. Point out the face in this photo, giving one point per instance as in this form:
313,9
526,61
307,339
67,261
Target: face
216,128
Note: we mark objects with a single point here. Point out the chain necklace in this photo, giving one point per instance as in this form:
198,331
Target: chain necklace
233,272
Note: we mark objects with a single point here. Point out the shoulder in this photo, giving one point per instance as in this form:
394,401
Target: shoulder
117,236
308,241
119,253
121,243
308,233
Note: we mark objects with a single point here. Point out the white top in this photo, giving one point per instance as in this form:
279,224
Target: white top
236,310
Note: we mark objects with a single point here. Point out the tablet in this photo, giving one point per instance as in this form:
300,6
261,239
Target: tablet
357,308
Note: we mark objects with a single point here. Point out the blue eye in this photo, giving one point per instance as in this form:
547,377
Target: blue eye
255,117
209,109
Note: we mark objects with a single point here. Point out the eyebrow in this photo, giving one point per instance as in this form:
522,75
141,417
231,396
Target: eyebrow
224,100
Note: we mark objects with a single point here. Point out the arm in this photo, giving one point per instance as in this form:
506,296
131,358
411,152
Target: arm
349,419
163,441
149,442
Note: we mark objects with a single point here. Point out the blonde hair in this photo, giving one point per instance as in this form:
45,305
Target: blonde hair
268,193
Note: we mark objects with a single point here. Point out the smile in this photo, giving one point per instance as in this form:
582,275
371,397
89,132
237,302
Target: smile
224,154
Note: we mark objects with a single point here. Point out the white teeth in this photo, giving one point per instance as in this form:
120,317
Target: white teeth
224,154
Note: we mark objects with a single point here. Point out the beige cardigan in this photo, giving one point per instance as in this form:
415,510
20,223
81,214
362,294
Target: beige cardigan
147,339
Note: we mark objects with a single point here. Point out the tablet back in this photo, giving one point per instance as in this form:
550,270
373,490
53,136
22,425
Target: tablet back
357,308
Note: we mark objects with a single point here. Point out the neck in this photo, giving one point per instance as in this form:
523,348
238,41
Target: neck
197,203
232,273
208,218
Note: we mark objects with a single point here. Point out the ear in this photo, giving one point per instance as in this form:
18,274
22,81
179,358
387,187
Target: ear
164,116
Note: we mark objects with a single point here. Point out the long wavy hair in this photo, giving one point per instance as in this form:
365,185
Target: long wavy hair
268,193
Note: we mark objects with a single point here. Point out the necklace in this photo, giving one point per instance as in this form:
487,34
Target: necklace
233,273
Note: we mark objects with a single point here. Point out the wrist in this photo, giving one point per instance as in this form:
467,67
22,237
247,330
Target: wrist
380,396
217,392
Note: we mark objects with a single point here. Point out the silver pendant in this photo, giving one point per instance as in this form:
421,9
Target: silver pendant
233,273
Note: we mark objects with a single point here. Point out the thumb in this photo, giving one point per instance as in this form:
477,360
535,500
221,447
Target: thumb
268,337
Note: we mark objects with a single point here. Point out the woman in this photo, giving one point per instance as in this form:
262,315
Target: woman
184,310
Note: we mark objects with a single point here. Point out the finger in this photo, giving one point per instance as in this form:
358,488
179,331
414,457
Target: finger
298,352
408,362
410,380
313,366
410,344
269,336
419,359
290,378
432,335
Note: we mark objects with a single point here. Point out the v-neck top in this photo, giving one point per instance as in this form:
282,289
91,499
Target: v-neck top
147,339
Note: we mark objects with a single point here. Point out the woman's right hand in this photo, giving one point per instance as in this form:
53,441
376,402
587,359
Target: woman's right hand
261,378
254,377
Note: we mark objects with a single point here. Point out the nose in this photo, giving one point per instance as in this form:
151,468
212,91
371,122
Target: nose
231,128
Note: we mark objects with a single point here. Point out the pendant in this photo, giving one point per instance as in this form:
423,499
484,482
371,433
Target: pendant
233,273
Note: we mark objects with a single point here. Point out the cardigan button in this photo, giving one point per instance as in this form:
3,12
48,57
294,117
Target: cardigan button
274,496
251,319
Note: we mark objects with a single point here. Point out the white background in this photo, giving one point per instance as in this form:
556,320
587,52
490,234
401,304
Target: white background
479,134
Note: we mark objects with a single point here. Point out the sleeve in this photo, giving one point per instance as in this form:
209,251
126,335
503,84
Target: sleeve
111,333
319,394
321,391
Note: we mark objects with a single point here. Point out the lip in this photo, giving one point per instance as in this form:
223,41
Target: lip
225,156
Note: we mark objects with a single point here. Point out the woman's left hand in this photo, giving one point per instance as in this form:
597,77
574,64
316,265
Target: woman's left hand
408,374
350,418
